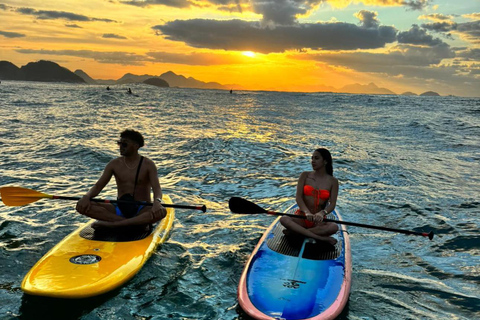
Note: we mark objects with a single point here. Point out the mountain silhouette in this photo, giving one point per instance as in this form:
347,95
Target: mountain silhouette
52,72
42,70
370,88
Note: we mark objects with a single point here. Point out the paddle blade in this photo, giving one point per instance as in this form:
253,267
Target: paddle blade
17,196
240,205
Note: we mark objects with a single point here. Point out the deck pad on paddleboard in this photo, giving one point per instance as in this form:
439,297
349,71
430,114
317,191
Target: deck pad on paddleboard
291,245
89,262
115,235
288,277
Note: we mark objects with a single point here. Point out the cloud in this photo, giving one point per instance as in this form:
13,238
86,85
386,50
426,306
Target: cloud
53,15
471,54
275,12
73,25
469,31
473,16
123,58
282,12
443,27
169,3
7,34
436,17
368,18
413,65
416,4
113,36
200,58
418,36
251,36
392,62
410,5
126,58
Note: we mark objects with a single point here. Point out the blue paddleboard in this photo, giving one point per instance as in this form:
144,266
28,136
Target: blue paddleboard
296,278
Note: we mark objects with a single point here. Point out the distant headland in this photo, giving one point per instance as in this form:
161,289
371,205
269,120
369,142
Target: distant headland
47,71
42,70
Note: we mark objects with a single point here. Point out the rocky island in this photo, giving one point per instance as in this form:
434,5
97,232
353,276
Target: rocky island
430,94
157,82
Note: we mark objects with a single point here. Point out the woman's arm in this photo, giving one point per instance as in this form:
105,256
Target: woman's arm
333,197
299,195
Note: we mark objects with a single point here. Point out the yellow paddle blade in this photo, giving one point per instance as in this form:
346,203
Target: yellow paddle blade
17,196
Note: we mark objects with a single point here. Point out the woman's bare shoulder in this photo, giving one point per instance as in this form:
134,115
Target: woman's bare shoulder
334,180
304,174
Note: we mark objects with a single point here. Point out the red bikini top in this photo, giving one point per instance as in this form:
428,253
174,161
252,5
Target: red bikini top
319,194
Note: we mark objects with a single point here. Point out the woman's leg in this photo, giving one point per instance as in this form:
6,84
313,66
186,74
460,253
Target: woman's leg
292,225
325,229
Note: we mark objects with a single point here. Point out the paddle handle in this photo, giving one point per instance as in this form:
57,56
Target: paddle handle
166,205
354,224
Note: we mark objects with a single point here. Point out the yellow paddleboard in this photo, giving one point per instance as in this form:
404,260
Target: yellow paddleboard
88,263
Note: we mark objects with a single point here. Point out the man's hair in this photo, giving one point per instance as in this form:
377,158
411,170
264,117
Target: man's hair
134,136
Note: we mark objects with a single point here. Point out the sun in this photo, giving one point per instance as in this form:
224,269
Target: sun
250,54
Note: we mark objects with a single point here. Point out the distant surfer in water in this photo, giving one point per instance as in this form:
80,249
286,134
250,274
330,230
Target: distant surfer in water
231,91
129,91
108,88
136,177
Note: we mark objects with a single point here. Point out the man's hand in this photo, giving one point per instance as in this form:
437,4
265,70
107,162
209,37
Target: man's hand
83,205
158,212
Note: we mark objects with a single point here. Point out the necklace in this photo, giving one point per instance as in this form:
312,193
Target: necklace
125,161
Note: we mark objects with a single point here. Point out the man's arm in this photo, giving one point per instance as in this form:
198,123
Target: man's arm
154,181
158,211
83,205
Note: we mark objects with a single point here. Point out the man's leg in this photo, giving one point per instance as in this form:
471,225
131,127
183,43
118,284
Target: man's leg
144,217
103,212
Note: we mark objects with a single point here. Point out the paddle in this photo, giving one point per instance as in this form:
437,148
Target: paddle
17,196
240,205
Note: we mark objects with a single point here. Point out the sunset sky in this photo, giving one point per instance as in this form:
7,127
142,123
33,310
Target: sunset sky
285,45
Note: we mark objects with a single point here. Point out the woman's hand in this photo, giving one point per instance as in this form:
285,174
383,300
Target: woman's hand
316,218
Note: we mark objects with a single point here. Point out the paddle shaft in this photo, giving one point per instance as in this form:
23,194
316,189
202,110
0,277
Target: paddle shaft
166,205
18,196
354,224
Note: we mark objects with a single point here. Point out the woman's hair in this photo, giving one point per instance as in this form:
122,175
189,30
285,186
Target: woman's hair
134,136
327,157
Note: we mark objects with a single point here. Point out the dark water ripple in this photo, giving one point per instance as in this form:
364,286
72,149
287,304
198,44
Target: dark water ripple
403,162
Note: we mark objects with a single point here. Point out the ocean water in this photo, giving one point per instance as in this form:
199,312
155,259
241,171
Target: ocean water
402,162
